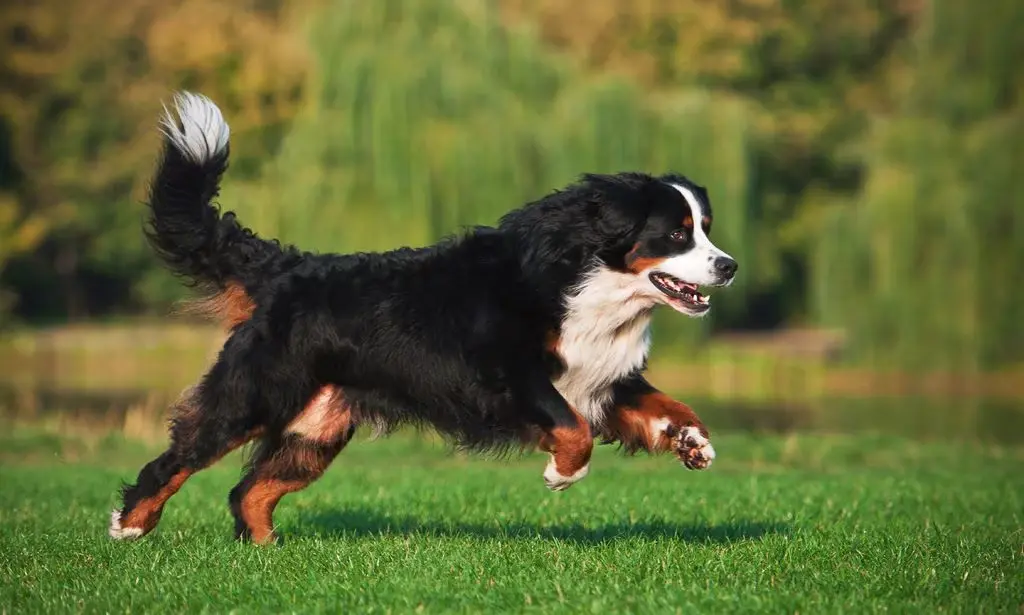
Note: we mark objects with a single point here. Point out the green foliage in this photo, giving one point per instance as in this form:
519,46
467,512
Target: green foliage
919,267
428,117
809,73
19,233
862,157
80,87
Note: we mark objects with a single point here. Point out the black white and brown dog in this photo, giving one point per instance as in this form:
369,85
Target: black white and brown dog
531,333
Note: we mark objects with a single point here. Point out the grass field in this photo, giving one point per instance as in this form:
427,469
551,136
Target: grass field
779,525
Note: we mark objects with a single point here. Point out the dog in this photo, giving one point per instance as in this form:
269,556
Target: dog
533,333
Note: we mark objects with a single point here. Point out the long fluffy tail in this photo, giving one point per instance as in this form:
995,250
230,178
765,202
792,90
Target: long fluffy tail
209,249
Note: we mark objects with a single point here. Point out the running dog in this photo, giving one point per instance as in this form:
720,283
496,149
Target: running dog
531,333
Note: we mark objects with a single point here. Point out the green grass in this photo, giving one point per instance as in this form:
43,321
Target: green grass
798,524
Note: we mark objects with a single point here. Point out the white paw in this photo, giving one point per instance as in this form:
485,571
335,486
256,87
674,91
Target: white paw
693,449
122,533
558,482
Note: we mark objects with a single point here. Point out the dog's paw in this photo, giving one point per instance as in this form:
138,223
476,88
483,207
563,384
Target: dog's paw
122,533
693,449
556,481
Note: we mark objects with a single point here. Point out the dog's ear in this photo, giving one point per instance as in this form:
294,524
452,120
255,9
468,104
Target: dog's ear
618,222
623,203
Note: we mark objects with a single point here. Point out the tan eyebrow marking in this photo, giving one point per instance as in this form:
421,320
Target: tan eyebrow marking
688,222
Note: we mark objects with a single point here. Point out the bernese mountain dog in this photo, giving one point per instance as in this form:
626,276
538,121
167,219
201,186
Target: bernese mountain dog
531,333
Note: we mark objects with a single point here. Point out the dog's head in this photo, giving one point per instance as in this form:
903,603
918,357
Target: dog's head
672,249
643,236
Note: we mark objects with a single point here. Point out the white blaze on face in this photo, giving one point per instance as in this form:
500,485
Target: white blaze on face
697,266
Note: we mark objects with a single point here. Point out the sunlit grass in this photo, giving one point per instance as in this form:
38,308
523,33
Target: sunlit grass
780,524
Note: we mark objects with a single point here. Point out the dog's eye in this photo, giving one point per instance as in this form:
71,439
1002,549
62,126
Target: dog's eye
678,235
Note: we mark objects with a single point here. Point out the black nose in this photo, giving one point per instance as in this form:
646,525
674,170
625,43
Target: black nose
726,266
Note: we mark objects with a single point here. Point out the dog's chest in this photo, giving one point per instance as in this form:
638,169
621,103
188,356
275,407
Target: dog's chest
604,337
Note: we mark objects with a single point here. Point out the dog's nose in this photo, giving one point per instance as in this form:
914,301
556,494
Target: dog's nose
726,266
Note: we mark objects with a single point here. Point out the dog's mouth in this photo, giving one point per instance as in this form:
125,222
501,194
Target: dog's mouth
683,296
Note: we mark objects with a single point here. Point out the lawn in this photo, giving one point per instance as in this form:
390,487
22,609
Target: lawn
779,524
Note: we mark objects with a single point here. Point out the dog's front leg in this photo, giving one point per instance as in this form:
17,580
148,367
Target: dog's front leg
565,435
644,418
570,446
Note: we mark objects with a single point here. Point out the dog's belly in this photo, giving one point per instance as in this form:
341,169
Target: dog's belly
477,420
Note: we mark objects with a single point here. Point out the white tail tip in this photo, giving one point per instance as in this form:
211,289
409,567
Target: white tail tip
196,127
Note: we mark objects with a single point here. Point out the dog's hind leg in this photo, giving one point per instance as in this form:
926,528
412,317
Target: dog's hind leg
197,441
289,461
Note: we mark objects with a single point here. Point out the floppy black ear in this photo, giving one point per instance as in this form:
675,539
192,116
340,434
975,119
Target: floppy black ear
557,236
624,202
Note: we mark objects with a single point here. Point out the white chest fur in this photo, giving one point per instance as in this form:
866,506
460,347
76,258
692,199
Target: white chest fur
605,335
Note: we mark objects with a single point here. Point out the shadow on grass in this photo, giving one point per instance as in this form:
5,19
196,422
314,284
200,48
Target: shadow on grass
354,523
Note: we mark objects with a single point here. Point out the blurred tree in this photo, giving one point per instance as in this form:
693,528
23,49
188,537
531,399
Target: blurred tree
19,233
863,157
883,193
812,70
919,266
429,116
80,87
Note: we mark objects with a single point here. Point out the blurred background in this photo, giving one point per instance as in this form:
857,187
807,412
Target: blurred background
865,161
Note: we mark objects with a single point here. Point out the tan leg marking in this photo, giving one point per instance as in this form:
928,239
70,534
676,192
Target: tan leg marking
259,503
659,423
570,449
323,418
145,516
322,429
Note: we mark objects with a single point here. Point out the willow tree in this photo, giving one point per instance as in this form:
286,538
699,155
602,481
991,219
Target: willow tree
920,266
810,71
426,117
